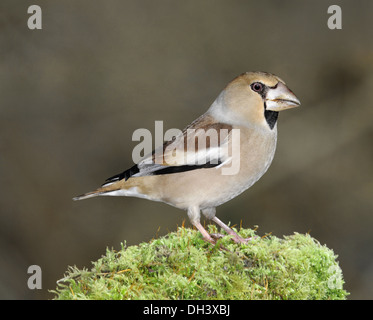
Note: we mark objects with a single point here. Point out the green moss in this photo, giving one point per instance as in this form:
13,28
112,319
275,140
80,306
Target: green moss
181,265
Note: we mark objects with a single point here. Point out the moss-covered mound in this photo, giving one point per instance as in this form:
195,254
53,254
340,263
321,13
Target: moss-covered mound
181,265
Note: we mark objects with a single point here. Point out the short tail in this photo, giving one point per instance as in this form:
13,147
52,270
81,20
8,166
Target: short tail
87,195
106,189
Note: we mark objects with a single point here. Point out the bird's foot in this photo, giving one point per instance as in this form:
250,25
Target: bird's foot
210,240
237,239
234,236
213,237
217,236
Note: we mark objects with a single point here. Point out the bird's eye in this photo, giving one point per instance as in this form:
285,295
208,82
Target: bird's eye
257,87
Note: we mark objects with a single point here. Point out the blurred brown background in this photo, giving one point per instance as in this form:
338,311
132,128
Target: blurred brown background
72,94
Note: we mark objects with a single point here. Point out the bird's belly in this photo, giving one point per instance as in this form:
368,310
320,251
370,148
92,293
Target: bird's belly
210,187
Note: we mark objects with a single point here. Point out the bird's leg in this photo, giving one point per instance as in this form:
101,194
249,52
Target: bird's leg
194,217
236,238
209,213
204,232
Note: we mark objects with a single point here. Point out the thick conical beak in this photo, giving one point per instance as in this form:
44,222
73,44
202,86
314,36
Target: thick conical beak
280,98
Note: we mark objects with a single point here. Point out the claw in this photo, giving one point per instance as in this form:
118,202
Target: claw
217,236
236,238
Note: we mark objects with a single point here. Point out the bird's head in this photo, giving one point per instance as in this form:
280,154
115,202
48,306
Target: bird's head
255,98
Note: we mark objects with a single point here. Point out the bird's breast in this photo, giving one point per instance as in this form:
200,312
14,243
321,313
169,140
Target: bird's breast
257,149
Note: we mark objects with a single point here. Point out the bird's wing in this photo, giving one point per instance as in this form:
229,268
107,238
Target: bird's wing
203,144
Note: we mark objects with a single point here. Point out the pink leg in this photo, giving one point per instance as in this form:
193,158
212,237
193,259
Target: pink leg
204,233
236,238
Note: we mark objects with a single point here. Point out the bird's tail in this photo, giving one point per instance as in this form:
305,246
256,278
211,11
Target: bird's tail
108,189
88,195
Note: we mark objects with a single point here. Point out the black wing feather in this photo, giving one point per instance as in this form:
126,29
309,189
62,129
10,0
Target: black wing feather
124,175
163,170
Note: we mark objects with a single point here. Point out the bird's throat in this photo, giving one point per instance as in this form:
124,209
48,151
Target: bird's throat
271,117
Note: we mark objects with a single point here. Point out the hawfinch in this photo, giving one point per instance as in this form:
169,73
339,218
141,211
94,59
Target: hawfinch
214,159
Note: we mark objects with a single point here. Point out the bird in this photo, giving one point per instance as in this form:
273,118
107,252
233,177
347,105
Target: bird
215,158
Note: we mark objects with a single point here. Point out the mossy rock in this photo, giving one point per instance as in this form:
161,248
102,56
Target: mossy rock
181,265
